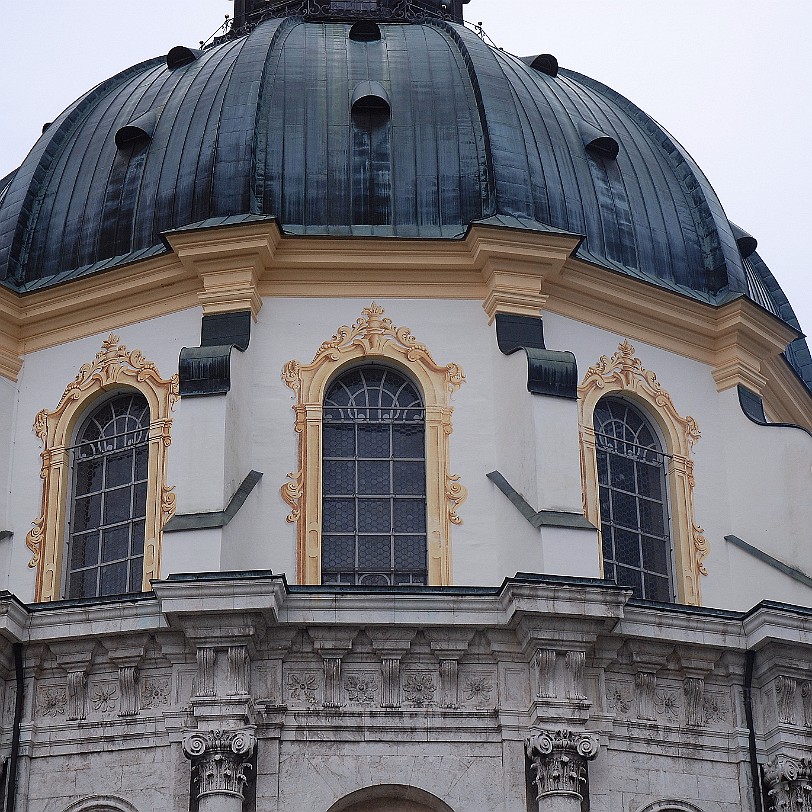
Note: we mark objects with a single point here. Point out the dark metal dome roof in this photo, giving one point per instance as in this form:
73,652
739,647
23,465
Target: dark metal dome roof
408,130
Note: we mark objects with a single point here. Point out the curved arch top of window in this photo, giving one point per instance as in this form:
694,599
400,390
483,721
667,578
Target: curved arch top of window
101,803
635,533
372,339
115,370
624,374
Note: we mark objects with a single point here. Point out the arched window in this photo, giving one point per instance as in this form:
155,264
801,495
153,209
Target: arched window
105,499
372,367
373,480
632,470
109,469
626,494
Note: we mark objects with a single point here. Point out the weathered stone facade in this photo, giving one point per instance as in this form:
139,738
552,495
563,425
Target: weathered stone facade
528,696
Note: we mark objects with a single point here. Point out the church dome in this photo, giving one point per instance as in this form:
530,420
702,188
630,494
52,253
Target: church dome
368,127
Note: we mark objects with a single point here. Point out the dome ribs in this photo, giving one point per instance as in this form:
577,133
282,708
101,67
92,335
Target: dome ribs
23,198
263,124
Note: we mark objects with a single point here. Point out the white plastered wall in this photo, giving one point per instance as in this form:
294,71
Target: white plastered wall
8,404
769,475
752,481
42,381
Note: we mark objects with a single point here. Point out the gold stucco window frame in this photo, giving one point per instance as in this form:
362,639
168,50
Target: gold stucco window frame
113,370
373,338
625,374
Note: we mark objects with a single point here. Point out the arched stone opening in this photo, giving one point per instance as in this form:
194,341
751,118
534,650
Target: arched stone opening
390,798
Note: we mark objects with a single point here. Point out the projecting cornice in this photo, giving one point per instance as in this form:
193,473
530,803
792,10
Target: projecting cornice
508,270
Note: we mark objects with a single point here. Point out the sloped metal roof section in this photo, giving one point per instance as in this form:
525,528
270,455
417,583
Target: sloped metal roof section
262,125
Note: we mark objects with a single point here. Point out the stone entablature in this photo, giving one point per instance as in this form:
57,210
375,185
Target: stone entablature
536,666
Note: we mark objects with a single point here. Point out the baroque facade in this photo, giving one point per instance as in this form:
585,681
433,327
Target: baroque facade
391,423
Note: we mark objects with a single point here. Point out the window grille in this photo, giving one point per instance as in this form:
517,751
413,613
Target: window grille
373,480
109,465
635,529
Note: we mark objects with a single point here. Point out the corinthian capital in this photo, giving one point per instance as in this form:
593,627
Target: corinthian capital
559,761
789,783
219,760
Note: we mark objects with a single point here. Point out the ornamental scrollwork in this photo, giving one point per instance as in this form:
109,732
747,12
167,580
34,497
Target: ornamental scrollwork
372,337
113,366
291,492
559,760
789,783
220,760
624,373
34,540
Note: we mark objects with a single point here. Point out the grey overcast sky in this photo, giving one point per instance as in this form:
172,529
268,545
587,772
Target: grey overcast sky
729,79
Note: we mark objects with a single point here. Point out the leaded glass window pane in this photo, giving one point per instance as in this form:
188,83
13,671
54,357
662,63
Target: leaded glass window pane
633,503
109,500
373,480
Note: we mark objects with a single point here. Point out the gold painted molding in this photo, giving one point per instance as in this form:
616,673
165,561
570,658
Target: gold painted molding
114,368
624,373
373,337
235,267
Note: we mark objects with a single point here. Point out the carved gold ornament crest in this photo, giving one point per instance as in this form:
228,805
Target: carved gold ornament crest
624,373
373,337
113,368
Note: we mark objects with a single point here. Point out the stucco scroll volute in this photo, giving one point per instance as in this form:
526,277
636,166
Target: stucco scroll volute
373,337
114,368
623,373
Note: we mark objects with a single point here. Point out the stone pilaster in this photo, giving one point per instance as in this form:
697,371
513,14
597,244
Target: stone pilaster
694,688
544,663
449,684
789,784
205,671
77,696
128,691
559,762
239,671
220,767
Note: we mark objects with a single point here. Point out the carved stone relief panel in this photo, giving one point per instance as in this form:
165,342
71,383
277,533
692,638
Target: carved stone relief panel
103,697
155,692
303,688
478,689
362,689
620,697
52,700
419,688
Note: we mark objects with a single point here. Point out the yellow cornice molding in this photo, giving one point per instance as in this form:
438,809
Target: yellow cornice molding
509,271
11,317
735,339
229,263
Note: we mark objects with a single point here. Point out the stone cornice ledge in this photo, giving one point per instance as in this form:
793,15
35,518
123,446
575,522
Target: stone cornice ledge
188,595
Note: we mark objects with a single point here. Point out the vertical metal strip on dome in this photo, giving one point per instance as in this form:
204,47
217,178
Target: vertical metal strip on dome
278,31
234,168
463,38
167,189
722,258
19,212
